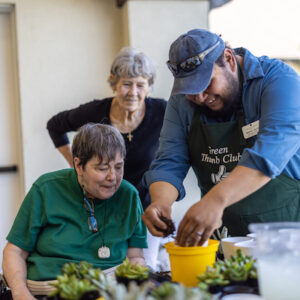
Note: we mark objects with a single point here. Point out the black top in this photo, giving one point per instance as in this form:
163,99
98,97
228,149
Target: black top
140,151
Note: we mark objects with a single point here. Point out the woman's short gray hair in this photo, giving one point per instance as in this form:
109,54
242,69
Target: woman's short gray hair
102,141
131,62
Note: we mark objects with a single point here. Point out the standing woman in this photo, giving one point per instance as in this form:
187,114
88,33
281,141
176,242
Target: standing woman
136,115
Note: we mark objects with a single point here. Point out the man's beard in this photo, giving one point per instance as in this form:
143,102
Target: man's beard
231,100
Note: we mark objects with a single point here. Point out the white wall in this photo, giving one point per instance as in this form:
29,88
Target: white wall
266,27
65,48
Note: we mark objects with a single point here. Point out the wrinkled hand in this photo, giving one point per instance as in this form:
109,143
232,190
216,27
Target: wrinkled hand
199,222
151,217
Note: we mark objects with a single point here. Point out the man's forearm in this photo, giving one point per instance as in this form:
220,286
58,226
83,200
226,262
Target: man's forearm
205,215
163,191
240,183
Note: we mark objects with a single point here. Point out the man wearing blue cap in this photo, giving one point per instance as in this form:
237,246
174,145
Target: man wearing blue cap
235,118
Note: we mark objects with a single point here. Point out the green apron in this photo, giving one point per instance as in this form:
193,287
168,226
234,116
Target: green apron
215,150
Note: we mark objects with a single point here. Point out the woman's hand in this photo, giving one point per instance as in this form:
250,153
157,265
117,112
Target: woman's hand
135,256
23,295
15,271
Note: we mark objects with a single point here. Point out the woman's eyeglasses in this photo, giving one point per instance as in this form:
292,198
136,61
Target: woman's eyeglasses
92,222
192,62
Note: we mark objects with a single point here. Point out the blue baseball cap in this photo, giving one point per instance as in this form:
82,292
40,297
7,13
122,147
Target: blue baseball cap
191,60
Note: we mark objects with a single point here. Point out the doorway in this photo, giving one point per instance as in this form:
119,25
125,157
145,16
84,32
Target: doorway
11,170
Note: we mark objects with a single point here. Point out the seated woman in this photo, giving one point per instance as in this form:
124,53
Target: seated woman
133,112
87,213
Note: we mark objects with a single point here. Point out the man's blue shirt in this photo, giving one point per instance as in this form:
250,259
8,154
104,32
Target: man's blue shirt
271,94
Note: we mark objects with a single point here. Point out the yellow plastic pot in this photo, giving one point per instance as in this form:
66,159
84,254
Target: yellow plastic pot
188,262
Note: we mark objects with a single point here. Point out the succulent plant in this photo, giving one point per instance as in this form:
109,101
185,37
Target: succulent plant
212,277
132,271
172,291
70,287
77,279
239,267
133,292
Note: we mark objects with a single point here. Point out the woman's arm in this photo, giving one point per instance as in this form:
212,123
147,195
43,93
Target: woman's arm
70,120
67,154
15,271
135,255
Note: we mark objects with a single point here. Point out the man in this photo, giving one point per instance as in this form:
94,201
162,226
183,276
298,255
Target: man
235,118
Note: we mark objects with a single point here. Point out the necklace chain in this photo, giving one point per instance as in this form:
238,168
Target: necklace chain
92,211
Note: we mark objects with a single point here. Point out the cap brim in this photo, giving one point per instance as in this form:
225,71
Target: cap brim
196,83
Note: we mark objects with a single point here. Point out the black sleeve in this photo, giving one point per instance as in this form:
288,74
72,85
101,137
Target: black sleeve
70,120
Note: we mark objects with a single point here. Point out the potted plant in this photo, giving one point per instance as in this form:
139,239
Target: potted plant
239,270
80,281
127,272
172,291
212,280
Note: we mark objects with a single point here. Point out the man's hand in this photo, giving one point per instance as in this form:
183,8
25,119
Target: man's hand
163,194
203,217
199,222
151,217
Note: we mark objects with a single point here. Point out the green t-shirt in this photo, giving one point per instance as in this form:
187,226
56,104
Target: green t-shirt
52,225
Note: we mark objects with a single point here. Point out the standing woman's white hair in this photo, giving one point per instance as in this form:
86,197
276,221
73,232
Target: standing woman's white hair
131,62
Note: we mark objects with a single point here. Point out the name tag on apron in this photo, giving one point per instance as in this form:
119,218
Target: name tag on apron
251,129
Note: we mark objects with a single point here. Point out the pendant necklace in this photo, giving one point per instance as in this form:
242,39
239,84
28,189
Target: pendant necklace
103,251
129,136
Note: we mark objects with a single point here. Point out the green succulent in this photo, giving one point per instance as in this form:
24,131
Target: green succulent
132,271
172,291
133,292
76,279
70,287
239,267
212,277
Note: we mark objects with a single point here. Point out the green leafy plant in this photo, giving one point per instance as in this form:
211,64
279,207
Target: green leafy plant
133,292
238,268
70,287
76,279
172,291
212,277
132,271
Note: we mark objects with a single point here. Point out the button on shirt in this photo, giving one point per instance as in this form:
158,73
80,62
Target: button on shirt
271,94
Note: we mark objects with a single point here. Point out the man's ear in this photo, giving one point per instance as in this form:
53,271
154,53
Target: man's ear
230,59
